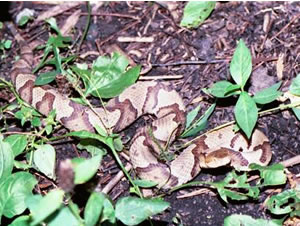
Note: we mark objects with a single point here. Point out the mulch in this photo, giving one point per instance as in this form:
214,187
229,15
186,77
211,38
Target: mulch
271,30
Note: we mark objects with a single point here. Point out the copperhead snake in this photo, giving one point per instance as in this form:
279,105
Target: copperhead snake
222,147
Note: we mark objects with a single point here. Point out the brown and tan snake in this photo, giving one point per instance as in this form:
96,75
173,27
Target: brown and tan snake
219,148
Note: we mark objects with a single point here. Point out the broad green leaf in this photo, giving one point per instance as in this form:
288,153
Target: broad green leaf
24,16
44,158
234,195
7,44
200,124
108,76
132,210
17,143
145,183
295,86
236,187
21,221
86,168
191,116
195,12
220,89
6,159
45,78
284,202
117,86
22,165
245,220
92,146
297,112
246,113
43,207
52,22
267,95
108,213
271,175
63,217
94,208
232,89
241,64
13,192
24,20
88,135
36,122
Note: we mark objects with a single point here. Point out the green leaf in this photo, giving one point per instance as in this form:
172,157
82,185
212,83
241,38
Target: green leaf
246,113
24,20
108,76
284,202
52,22
92,146
267,95
226,193
297,112
132,210
45,78
43,207
145,183
295,86
22,165
220,89
241,64
62,217
196,12
88,135
245,220
85,169
24,16
232,89
200,124
94,208
7,44
6,159
36,122
108,212
21,221
44,158
13,192
271,175
235,187
17,143
117,86
191,116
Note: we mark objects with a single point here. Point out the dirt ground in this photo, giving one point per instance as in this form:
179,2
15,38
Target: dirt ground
270,29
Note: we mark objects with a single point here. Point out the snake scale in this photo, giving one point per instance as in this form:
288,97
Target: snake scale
218,148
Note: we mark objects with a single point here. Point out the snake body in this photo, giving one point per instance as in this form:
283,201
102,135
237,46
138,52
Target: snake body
222,147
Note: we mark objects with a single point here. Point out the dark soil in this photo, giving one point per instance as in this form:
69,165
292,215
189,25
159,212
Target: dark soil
215,39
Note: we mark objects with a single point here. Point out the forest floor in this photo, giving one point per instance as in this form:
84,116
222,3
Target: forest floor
271,30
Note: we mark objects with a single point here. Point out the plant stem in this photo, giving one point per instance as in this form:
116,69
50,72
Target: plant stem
111,145
87,25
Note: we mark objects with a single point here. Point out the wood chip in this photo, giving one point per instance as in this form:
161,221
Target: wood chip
135,39
158,77
56,10
70,22
197,192
280,66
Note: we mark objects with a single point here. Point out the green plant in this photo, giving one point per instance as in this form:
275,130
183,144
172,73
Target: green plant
33,149
4,44
195,12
